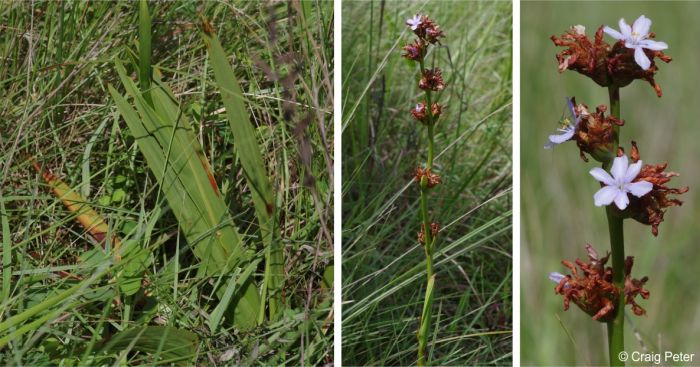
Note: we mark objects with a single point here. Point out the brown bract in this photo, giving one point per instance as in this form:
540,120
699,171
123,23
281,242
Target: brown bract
591,288
595,133
607,65
419,112
432,80
432,179
650,208
434,229
429,30
414,51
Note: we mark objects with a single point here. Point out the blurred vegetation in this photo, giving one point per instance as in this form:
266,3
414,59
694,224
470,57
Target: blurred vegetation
558,215
383,263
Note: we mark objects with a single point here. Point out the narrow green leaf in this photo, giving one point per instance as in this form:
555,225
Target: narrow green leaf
144,46
6,253
175,156
226,294
248,150
136,261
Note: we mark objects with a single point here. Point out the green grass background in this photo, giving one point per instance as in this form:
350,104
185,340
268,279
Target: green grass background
558,215
56,60
383,264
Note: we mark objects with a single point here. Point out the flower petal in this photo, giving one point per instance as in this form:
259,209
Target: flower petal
632,171
619,168
625,29
641,58
606,195
639,188
558,139
570,105
602,176
556,277
613,33
621,200
641,26
653,45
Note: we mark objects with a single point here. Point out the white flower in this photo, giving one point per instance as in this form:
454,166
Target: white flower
620,183
414,22
419,107
636,37
567,127
579,29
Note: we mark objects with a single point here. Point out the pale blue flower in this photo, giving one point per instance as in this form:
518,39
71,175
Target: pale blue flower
637,37
567,127
620,183
556,277
414,22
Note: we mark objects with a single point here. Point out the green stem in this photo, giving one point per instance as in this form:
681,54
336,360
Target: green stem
616,327
427,232
424,327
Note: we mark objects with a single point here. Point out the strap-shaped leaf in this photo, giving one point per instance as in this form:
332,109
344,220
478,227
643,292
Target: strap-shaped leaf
174,155
249,153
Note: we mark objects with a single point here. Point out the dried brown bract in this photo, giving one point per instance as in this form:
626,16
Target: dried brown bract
432,179
591,288
428,30
605,64
420,112
650,208
432,80
415,51
434,229
595,133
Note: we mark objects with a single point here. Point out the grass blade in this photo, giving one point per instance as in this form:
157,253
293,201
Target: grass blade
144,47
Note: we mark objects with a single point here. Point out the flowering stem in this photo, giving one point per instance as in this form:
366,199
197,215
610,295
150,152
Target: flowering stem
424,327
616,327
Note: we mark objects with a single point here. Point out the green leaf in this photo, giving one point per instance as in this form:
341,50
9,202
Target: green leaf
169,343
254,169
175,157
144,46
136,261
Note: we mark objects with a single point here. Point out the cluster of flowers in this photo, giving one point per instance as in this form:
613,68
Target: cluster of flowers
595,135
630,57
428,33
638,191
